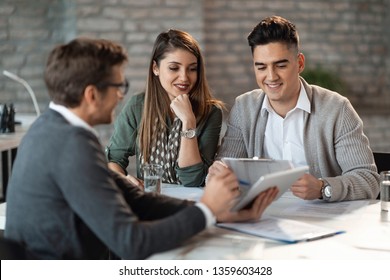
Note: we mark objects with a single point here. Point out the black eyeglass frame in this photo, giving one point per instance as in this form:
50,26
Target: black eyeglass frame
123,87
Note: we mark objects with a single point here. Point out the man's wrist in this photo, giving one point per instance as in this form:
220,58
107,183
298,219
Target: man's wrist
322,183
209,216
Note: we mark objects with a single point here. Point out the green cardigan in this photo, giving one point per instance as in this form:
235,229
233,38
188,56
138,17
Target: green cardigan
125,143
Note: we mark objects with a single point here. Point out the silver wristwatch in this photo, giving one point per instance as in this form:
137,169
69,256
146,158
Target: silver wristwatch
189,133
326,191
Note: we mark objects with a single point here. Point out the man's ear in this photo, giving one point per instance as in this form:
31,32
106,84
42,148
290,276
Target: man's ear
90,94
301,62
88,104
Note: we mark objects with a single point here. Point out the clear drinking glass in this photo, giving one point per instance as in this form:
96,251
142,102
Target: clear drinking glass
152,177
385,190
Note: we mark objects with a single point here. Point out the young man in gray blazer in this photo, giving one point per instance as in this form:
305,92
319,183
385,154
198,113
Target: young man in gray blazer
289,119
64,203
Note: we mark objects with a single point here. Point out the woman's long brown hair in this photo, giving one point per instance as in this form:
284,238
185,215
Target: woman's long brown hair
157,102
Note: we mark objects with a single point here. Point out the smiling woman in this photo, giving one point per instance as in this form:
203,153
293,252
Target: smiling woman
176,122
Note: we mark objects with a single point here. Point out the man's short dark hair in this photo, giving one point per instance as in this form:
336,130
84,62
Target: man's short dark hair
274,29
71,67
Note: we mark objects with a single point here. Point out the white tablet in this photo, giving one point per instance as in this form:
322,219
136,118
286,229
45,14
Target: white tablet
251,169
282,179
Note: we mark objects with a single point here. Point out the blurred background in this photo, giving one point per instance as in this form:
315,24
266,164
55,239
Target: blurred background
346,44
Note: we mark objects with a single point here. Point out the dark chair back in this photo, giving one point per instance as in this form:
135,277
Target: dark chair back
382,162
11,250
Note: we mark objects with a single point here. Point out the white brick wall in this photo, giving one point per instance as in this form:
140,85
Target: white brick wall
349,37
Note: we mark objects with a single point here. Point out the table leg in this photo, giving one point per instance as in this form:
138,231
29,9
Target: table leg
13,156
5,171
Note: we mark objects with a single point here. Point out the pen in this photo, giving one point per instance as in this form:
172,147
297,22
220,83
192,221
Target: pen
323,236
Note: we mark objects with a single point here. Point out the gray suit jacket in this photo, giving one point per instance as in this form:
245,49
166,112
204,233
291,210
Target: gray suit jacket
64,203
335,146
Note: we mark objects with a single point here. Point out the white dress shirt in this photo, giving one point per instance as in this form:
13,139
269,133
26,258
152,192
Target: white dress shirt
284,136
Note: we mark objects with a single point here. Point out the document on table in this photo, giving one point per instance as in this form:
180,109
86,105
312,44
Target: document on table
285,230
321,209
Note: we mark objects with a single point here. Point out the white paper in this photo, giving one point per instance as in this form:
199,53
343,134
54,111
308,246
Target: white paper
322,209
282,229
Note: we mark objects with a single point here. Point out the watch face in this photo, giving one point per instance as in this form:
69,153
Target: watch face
188,133
191,133
328,191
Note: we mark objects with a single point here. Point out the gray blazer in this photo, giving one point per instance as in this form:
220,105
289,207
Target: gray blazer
335,146
64,203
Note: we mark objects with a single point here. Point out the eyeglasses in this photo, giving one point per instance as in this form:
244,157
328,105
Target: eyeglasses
123,87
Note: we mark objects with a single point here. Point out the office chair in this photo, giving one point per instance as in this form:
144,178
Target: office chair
382,162
11,250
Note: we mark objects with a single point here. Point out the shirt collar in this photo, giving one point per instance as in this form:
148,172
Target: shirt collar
303,103
71,117
266,107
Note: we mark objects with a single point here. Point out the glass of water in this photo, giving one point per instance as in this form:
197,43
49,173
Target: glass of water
152,177
385,190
